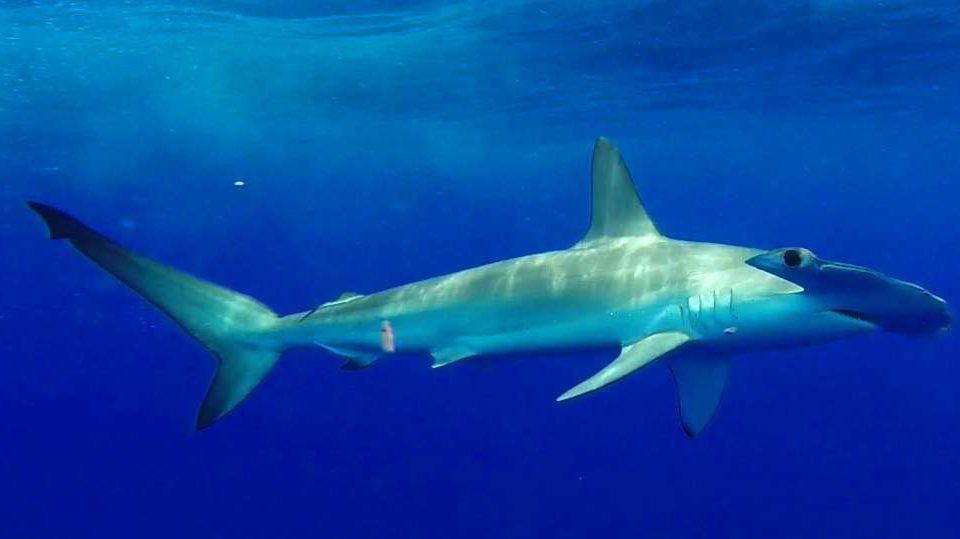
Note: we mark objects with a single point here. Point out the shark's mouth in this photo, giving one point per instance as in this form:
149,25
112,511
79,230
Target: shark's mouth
856,315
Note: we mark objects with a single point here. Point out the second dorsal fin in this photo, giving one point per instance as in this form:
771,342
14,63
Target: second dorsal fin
342,298
617,210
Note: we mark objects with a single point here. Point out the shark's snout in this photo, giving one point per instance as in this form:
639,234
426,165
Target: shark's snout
917,312
943,320
859,293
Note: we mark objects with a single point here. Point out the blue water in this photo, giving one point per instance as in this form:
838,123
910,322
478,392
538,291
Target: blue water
383,142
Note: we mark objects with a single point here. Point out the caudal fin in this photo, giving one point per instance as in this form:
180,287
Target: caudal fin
225,322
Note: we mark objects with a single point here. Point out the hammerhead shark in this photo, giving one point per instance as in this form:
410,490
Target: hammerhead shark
689,305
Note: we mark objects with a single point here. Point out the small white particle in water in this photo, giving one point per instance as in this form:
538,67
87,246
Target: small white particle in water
239,183
730,330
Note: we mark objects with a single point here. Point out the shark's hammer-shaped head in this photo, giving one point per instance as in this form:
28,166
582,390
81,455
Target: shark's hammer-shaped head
858,293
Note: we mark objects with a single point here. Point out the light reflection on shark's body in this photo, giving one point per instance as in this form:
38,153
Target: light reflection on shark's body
690,304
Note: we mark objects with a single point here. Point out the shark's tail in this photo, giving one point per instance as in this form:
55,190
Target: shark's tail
225,322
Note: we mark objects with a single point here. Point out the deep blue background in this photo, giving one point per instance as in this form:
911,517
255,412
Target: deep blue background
383,142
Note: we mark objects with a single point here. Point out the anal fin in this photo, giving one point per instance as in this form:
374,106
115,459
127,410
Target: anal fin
356,360
631,358
353,364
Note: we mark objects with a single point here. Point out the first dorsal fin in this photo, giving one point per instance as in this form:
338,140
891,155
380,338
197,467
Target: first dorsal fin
617,210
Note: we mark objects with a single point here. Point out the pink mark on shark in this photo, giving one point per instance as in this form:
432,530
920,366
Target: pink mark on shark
387,343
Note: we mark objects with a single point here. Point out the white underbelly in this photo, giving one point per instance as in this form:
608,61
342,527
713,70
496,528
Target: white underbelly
602,329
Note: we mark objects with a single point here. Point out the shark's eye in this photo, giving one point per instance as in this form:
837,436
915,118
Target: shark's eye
792,258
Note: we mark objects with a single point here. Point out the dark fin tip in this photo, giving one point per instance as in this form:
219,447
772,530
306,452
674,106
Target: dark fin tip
60,224
203,422
353,366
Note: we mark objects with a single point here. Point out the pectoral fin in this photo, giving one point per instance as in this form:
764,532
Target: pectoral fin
700,380
631,358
